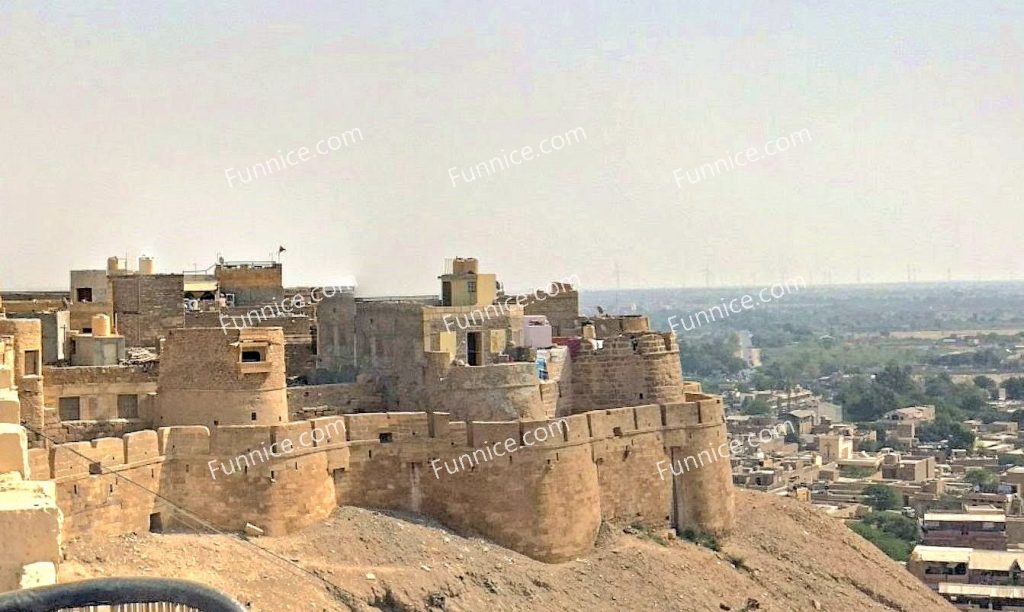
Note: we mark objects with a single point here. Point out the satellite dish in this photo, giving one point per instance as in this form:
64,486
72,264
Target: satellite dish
600,310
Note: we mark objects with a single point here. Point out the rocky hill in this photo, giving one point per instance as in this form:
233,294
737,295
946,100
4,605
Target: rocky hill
783,556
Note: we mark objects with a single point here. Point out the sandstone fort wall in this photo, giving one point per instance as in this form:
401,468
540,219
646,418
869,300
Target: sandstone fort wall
627,371
545,500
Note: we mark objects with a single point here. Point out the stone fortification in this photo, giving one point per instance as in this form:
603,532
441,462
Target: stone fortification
214,376
544,500
628,370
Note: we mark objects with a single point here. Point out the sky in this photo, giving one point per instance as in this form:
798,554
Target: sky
125,128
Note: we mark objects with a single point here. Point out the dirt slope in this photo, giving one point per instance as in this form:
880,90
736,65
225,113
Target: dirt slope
787,556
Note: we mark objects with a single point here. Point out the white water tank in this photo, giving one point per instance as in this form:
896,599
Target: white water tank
147,265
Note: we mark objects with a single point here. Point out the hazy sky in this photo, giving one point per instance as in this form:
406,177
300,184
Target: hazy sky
118,122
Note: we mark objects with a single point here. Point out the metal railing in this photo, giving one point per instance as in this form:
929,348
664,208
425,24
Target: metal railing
121,595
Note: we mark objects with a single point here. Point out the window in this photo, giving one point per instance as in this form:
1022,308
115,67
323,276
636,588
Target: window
127,406
83,294
254,416
252,356
471,286
385,438
70,408
31,363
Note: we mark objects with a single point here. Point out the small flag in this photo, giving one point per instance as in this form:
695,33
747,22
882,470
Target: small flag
281,249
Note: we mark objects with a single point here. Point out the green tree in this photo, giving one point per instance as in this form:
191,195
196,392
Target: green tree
882,497
894,524
944,428
896,378
893,534
983,478
755,406
988,384
865,400
1014,387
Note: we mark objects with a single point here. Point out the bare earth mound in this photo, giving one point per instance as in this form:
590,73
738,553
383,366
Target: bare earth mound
783,556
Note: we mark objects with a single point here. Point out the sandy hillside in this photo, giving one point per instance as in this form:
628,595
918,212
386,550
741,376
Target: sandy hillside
783,556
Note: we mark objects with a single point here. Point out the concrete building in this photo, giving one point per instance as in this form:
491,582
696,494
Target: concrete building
56,330
968,530
462,284
248,283
835,447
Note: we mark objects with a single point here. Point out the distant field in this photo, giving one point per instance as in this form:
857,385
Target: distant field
938,334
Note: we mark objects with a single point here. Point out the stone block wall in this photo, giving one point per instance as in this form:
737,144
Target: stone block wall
147,306
496,392
560,304
27,338
628,371
545,499
251,284
335,338
98,389
204,381
340,398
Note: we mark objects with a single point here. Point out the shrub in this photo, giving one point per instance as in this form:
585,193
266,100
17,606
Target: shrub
701,538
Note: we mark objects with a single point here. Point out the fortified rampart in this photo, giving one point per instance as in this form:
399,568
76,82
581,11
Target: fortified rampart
499,391
214,376
627,371
544,500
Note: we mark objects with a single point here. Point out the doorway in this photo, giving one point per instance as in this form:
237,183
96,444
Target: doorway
473,353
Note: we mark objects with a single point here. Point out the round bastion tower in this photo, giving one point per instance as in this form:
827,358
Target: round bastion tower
214,376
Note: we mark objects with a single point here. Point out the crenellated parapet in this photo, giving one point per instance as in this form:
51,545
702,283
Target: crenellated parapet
539,486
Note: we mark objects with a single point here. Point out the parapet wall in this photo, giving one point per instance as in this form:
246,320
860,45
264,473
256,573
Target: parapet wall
545,499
